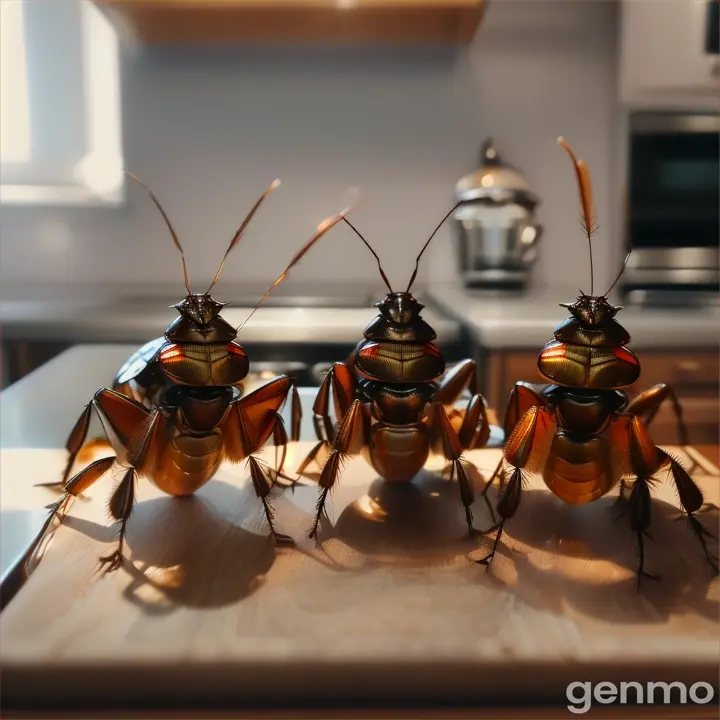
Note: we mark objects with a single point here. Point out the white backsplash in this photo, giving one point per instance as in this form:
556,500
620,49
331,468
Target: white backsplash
208,129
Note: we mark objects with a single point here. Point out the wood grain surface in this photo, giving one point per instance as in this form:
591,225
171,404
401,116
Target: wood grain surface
388,607
305,21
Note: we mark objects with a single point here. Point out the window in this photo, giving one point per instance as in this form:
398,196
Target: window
60,106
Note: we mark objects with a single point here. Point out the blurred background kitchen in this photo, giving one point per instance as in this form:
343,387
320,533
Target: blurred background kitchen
417,104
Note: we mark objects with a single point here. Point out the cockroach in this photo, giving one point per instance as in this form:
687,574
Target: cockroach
176,410
581,432
389,404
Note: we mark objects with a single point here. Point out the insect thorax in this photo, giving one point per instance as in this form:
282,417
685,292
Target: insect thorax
588,349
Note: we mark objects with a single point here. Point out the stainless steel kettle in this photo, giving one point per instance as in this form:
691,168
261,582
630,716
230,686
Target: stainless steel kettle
495,228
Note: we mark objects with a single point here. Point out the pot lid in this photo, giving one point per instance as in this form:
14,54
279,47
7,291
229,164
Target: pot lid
494,179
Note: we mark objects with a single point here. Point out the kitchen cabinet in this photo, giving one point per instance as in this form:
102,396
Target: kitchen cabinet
296,21
662,55
693,374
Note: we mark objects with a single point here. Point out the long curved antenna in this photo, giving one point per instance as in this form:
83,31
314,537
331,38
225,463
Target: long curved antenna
170,227
583,176
619,275
424,247
236,238
322,228
382,273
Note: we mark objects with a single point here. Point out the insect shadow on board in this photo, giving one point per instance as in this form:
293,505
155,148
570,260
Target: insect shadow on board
581,433
389,405
182,413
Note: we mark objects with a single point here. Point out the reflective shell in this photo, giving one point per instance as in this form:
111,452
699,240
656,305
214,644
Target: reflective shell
138,361
582,366
202,365
399,362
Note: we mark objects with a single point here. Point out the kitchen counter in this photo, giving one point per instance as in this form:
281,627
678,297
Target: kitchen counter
318,315
528,322
205,610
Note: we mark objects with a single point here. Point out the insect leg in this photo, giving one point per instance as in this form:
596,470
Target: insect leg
279,439
141,451
263,482
506,508
639,506
460,376
445,440
72,488
120,506
250,420
645,459
528,434
338,385
647,403
352,436
295,414
248,424
123,416
691,499
474,431
621,498
522,397
322,422
76,440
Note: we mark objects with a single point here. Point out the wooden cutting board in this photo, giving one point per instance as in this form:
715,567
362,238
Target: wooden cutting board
390,606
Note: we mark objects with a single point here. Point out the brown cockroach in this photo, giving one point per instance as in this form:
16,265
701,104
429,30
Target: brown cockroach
389,404
176,410
581,433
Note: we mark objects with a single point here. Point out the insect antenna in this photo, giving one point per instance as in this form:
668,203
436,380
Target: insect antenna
322,228
424,247
382,273
169,225
583,177
619,275
236,238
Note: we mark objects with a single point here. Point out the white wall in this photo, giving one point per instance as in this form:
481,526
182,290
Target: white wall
209,128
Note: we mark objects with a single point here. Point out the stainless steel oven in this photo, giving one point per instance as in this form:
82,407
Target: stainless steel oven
673,207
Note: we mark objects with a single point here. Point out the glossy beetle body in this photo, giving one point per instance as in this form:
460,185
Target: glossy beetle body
581,433
176,410
192,374
395,403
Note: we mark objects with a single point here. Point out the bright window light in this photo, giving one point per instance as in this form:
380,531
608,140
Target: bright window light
14,111
61,115
101,168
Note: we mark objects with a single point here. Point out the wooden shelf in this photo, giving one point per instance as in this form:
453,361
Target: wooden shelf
296,21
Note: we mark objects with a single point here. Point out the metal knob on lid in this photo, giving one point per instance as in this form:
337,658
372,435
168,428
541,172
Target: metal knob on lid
495,180
495,226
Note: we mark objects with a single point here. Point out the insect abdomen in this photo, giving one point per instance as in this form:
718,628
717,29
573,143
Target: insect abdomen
579,471
187,462
399,452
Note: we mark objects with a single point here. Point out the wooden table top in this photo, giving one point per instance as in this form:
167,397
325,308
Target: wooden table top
59,600
711,452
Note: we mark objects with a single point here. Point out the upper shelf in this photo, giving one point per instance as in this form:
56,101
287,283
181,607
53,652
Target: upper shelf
297,21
